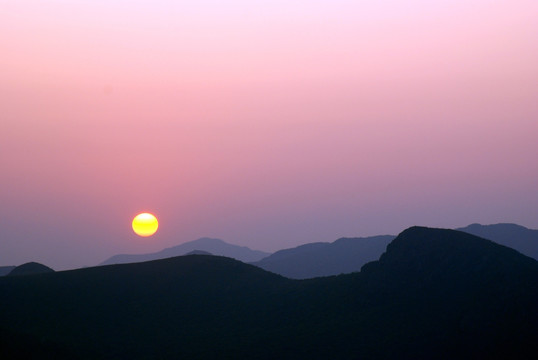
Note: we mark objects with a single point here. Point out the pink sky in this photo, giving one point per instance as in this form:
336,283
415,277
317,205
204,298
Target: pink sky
267,124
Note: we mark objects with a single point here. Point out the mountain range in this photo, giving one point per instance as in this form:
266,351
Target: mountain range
311,260
515,236
434,293
213,246
345,255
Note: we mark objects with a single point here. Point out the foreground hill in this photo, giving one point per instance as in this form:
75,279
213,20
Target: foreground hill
433,294
345,255
213,246
515,236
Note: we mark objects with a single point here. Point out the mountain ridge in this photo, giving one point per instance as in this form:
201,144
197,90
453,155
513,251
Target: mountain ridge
324,259
434,293
516,236
211,245
344,255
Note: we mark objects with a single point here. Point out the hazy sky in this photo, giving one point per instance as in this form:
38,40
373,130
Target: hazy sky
264,123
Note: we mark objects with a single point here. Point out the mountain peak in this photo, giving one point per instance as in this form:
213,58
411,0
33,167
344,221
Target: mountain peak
430,254
208,240
441,243
210,245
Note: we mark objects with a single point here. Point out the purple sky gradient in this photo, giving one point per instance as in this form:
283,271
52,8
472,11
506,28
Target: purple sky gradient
267,125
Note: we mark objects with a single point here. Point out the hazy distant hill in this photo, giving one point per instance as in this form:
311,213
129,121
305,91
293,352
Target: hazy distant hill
434,293
515,236
4,270
213,246
342,256
30,268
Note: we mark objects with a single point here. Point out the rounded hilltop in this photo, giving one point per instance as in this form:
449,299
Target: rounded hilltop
30,268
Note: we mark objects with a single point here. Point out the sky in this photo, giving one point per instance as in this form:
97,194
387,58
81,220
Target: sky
267,124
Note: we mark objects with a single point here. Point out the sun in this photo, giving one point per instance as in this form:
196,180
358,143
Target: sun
145,224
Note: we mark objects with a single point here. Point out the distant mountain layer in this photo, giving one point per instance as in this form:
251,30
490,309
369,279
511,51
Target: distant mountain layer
4,270
434,294
213,246
515,236
342,256
30,268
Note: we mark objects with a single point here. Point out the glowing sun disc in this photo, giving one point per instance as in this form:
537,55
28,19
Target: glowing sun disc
145,224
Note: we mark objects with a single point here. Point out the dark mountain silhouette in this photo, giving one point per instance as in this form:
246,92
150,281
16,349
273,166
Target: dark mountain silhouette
213,246
29,269
515,236
342,256
4,270
434,293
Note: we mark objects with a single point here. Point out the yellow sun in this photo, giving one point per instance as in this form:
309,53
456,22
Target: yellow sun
145,224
